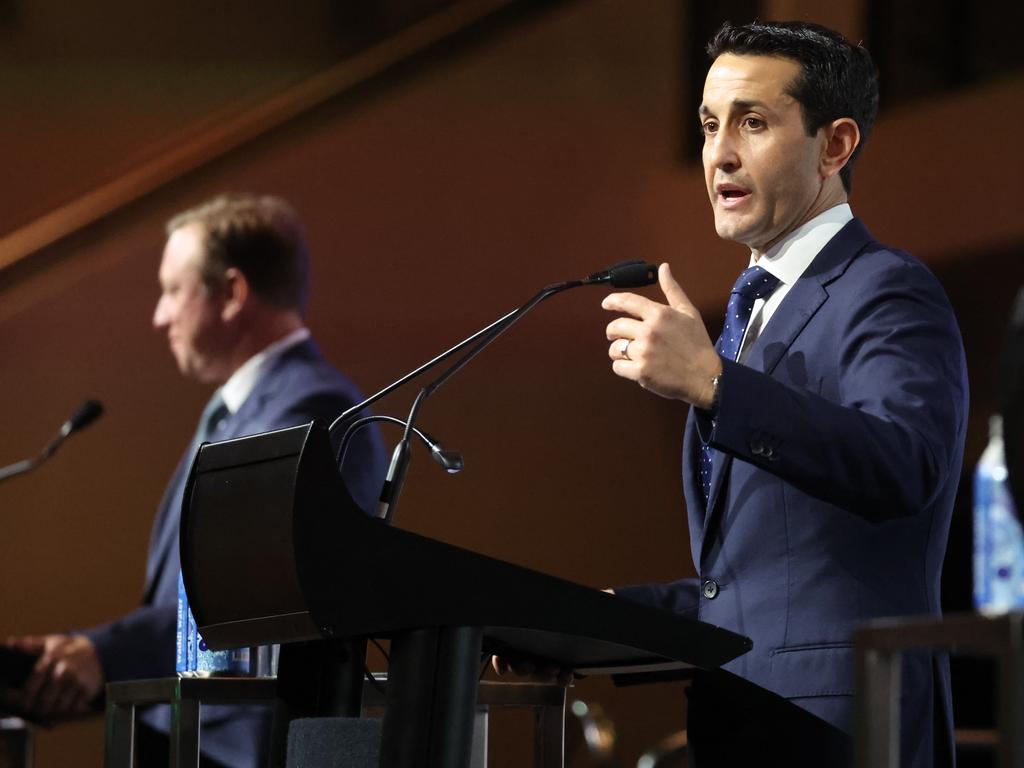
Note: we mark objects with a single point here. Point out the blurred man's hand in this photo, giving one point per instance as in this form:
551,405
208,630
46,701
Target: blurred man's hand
66,679
537,670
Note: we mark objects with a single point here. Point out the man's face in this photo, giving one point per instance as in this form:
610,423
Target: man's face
188,311
760,166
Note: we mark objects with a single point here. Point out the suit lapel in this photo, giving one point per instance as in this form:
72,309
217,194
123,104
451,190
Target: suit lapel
165,527
251,416
797,309
806,297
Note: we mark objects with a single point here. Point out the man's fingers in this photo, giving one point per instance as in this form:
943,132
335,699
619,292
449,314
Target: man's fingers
56,694
623,328
674,294
517,666
628,303
45,702
39,686
37,680
536,669
67,690
523,667
65,679
627,369
34,693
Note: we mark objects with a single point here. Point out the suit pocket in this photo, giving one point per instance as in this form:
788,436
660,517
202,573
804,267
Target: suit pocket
825,669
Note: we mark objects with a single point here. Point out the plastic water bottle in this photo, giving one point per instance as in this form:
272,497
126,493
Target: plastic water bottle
184,652
998,542
193,658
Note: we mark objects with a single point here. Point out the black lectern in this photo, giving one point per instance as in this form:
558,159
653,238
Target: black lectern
273,550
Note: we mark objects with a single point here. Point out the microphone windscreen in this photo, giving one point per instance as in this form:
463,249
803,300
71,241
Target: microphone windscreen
632,274
86,414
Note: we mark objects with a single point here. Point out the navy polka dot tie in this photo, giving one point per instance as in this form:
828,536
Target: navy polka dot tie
210,422
755,283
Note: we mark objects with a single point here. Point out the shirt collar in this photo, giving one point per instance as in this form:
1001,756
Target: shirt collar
237,388
790,257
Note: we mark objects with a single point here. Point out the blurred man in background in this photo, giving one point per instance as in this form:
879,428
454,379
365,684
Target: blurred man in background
234,282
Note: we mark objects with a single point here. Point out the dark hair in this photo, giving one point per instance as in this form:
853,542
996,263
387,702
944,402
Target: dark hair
262,237
839,79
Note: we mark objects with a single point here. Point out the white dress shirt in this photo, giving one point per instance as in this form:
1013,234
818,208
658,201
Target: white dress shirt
237,388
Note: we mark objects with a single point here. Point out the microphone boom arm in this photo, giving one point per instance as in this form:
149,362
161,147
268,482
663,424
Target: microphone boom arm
484,335
486,338
86,414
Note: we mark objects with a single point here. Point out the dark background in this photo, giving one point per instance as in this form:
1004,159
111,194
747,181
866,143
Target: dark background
438,197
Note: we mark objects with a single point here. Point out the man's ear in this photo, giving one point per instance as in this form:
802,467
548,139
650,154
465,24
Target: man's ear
841,138
236,294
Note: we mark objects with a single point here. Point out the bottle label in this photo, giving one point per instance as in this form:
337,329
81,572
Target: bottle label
998,544
181,644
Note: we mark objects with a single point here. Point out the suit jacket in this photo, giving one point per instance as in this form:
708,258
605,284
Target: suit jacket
297,386
839,445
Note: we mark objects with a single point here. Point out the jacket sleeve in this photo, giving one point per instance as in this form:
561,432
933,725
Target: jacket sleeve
139,645
886,445
680,596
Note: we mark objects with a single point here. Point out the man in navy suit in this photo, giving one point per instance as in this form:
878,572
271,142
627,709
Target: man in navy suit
825,432
234,282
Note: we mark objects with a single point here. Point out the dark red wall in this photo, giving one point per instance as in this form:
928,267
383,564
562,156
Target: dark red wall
435,203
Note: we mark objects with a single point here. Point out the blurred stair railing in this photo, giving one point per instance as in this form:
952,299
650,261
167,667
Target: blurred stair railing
226,132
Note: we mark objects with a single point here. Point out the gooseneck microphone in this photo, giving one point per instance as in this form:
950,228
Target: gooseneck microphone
85,415
628,274
450,461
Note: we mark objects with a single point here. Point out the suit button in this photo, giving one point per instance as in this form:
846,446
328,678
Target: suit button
710,589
